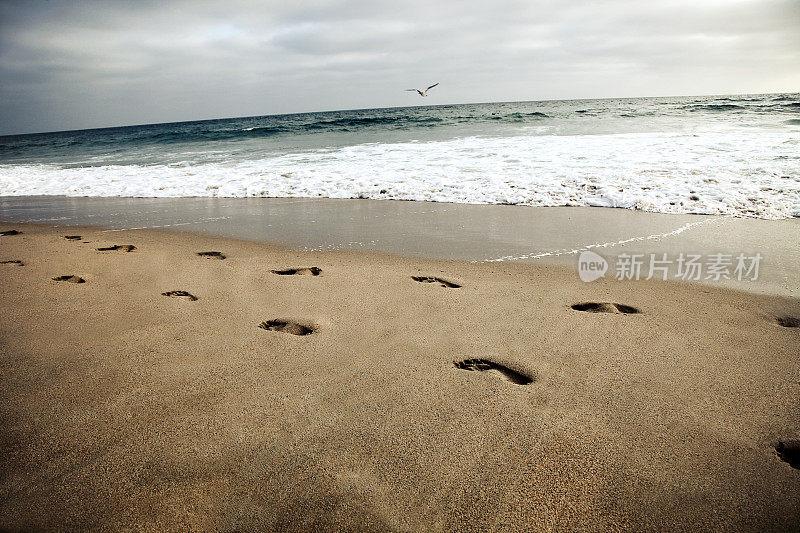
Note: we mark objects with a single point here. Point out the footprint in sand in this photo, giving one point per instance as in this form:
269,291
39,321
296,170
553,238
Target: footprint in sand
9,232
117,248
789,451
70,279
212,255
605,307
483,365
788,321
287,326
180,294
12,262
72,237
304,271
440,281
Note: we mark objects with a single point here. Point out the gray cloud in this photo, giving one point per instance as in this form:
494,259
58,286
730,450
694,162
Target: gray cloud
76,64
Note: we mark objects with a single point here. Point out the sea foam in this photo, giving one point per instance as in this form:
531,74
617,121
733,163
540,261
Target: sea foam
735,173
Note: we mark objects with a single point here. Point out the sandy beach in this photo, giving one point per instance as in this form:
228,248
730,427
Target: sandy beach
342,266
285,390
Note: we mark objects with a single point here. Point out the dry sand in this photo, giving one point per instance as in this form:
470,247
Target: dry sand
362,399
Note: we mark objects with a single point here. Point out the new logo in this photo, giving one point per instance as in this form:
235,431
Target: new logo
591,266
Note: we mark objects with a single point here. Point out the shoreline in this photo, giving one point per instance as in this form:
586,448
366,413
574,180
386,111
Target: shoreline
523,398
482,233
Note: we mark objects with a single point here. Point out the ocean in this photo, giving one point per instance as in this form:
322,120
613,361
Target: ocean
726,155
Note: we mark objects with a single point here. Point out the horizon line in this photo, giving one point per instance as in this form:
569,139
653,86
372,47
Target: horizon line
373,108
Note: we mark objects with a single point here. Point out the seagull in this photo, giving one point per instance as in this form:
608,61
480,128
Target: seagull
425,92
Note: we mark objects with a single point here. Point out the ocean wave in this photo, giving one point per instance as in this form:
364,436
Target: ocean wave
264,130
19,144
739,99
362,122
714,107
98,139
525,116
733,174
212,134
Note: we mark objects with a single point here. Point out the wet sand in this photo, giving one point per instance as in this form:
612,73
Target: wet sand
494,233
356,397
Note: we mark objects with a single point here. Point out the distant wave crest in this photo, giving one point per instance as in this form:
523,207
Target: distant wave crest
714,107
361,122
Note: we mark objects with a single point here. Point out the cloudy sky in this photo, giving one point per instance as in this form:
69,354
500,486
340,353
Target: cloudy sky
68,64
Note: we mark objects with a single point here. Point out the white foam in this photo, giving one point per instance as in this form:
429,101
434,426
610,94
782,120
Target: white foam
740,173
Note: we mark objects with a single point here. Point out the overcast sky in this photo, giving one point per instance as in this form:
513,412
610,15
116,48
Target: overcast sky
79,64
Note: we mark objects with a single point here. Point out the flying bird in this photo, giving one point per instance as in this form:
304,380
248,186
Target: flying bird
425,92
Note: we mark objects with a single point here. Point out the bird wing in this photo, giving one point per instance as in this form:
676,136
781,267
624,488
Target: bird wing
432,86
412,90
